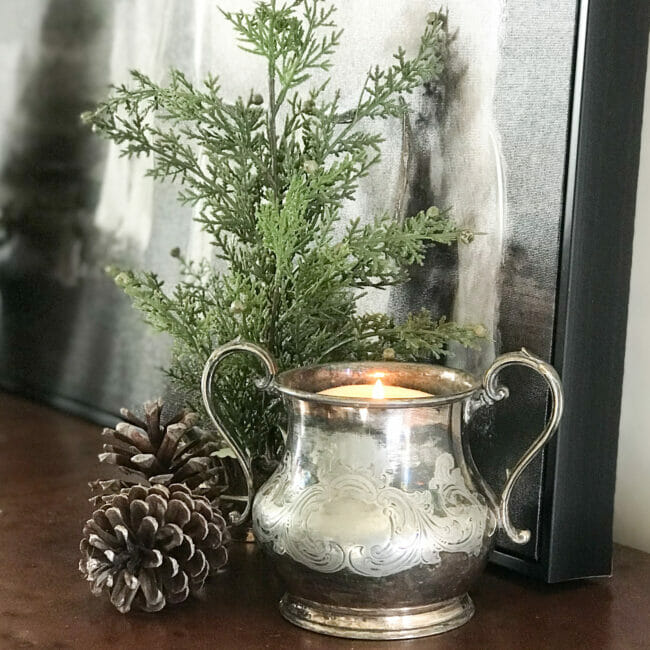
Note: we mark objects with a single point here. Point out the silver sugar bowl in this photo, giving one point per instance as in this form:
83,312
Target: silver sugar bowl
377,519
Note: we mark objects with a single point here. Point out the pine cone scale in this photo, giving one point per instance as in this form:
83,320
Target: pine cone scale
178,583
130,476
147,463
131,435
178,513
193,437
146,531
197,564
134,419
98,542
122,594
171,536
152,591
217,558
99,533
157,505
203,573
194,466
117,446
173,434
169,568
198,526
138,511
114,516
152,559
116,458
216,535
152,412
179,597
162,479
184,551
185,498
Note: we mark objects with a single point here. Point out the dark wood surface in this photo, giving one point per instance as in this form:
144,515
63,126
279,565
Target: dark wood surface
46,461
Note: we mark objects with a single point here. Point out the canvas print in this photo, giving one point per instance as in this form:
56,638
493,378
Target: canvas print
488,141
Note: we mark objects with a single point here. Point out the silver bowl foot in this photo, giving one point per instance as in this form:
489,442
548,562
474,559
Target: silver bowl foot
398,623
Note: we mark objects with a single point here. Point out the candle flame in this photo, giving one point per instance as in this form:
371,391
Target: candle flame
378,390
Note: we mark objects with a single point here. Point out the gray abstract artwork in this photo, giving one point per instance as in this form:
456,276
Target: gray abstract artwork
489,143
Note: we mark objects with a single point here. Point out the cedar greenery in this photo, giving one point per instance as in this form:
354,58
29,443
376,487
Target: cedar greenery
269,175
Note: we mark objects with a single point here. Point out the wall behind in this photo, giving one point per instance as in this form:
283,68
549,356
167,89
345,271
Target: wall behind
632,502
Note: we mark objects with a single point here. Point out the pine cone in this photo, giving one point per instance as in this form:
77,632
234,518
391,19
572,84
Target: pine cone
149,452
149,546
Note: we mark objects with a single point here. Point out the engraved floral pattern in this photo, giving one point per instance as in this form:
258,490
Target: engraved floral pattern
355,520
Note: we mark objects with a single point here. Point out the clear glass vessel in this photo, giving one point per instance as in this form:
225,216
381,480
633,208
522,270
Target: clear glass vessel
377,519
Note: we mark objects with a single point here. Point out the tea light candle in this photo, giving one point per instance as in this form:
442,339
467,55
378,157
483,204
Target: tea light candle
374,391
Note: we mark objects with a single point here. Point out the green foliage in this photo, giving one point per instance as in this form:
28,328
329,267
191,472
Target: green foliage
269,175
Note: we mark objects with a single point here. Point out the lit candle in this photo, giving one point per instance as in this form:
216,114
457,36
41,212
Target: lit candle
374,391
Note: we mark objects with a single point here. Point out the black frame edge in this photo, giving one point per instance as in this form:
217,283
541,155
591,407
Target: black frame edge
593,289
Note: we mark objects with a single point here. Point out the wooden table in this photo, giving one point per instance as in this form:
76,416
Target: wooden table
46,461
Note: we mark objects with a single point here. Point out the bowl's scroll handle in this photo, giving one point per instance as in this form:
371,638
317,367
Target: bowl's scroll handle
242,454
496,392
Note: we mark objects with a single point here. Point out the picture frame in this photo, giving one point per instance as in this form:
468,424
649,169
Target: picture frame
579,467
567,497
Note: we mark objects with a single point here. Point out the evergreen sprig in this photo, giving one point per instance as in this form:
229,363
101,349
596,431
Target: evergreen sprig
269,174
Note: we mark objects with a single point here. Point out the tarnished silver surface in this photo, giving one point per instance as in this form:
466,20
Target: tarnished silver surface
495,392
377,519
378,624
236,519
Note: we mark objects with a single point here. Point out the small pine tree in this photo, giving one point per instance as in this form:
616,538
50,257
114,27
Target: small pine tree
269,174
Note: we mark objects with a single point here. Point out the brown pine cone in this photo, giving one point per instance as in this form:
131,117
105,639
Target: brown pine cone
149,546
149,452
